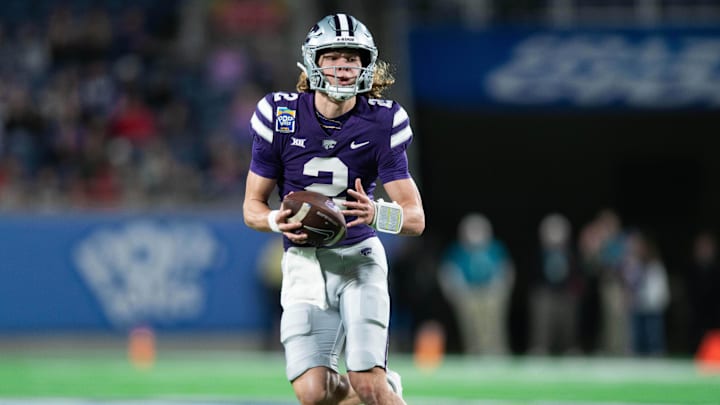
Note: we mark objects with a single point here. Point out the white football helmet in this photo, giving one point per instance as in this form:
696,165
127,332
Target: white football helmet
333,32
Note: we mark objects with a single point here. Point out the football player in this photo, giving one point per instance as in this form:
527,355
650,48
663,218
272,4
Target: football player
336,136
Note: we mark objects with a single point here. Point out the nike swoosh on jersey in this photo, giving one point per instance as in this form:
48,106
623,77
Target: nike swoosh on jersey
354,145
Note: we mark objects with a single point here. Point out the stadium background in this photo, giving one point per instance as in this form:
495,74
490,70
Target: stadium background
125,141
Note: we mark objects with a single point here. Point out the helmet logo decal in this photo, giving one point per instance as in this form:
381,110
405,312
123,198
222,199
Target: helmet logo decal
343,24
314,33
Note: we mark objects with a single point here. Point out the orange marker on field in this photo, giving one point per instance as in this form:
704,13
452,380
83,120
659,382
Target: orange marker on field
429,346
708,355
141,348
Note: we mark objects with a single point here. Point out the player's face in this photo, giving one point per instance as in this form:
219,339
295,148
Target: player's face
341,68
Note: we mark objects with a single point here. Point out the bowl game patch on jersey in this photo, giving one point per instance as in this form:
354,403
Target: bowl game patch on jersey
284,120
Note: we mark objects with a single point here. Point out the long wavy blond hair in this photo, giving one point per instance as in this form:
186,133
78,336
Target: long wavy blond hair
382,79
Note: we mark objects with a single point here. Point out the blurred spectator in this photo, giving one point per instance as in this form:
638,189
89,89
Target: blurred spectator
13,184
47,190
703,288
615,323
99,183
228,67
25,129
649,294
133,119
590,306
95,35
97,89
604,319
31,52
227,170
554,298
477,276
240,111
133,36
63,35
243,17
180,132
99,105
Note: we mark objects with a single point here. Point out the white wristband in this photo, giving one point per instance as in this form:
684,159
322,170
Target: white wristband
388,217
272,222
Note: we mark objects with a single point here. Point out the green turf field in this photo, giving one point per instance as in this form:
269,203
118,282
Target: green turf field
239,377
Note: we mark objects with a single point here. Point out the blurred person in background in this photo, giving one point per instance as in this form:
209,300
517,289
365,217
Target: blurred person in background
589,306
615,333
603,315
648,292
477,276
25,128
133,119
14,193
80,70
332,138
554,299
703,288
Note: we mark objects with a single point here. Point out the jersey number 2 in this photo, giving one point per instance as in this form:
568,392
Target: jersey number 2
338,171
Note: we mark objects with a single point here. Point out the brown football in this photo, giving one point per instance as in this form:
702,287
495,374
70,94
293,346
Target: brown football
322,220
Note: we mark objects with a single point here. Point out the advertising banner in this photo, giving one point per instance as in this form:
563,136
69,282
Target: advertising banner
517,68
115,272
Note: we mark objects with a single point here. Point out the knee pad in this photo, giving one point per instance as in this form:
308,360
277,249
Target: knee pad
312,337
366,314
296,321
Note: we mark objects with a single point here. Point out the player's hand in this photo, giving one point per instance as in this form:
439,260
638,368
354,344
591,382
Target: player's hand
362,207
291,230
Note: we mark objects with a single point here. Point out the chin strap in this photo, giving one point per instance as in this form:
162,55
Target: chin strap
340,93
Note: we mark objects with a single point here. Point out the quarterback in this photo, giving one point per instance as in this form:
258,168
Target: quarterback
336,136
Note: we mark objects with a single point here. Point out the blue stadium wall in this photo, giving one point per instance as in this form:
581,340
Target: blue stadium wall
110,272
105,272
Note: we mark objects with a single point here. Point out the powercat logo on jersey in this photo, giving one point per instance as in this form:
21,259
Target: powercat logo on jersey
285,120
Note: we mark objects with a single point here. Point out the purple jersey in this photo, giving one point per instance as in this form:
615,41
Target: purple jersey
290,145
